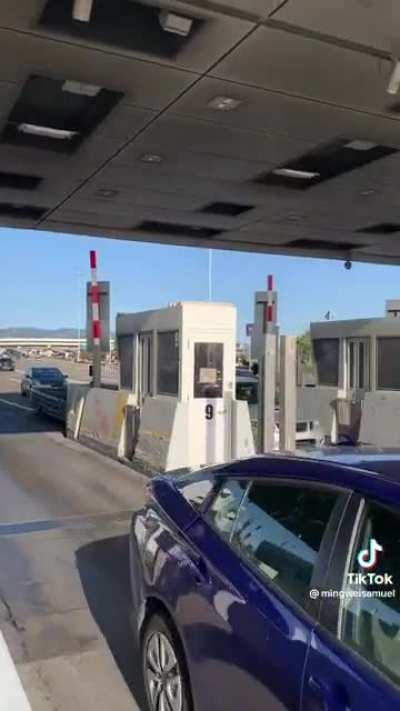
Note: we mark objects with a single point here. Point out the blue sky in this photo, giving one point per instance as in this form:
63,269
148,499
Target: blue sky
40,276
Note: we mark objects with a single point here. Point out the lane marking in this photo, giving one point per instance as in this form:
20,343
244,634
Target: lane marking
16,404
12,696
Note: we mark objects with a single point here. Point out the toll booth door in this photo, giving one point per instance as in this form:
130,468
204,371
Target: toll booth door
210,426
358,359
145,365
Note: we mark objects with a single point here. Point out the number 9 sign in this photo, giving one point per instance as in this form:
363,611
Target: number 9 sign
209,412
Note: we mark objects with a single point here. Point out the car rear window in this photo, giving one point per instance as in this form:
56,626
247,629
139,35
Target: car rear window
47,374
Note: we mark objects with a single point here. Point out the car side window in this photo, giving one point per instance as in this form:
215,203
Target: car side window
280,530
196,486
369,618
224,509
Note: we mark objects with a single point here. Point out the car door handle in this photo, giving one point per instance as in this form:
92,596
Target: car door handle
329,698
198,568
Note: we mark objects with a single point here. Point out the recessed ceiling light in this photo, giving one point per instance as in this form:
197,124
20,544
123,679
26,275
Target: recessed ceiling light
82,10
77,87
224,103
46,131
106,193
151,158
176,24
358,145
300,174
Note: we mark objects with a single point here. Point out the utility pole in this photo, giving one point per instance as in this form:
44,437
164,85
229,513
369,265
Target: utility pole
287,394
96,328
79,309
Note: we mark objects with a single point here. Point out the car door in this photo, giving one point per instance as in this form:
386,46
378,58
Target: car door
354,658
248,616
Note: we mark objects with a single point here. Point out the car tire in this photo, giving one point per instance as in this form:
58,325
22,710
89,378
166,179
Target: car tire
165,671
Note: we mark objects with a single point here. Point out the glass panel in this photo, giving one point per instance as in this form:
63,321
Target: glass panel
351,363
280,529
168,363
145,365
371,625
208,369
223,511
389,363
195,486
361,365
326,354
125,352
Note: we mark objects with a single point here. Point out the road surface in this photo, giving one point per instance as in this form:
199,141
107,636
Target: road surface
64,586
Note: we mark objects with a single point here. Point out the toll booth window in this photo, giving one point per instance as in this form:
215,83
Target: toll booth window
326,354
168,363
388,364
125,352
208,369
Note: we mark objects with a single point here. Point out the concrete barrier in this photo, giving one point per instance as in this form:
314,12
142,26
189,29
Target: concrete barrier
76,395
380,419
102,421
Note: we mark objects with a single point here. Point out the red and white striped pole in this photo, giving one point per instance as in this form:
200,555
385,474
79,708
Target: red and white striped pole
269,306
96,327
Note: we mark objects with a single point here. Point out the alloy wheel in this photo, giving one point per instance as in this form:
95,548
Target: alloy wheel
164,678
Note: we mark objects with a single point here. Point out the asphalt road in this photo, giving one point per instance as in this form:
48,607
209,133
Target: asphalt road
64,585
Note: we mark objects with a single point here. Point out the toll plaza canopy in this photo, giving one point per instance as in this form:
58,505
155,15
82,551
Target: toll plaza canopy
237,124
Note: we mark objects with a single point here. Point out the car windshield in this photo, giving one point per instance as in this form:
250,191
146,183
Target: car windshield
47,374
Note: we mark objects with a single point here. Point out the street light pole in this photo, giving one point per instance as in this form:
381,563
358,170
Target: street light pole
78,355
210,274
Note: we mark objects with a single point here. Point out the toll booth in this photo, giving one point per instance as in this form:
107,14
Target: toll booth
358,377
178,363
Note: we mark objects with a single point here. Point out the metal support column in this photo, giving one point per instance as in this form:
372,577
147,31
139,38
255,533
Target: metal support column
266,399
288,393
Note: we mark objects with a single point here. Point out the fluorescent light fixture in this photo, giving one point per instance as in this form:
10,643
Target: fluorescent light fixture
82,10
77,87
298,174
358,145
176,24
224,103
46,132
151,158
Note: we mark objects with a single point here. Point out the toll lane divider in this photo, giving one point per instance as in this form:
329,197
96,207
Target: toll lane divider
102,420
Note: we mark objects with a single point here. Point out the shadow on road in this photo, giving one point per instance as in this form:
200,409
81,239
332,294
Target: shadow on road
18,416
104,572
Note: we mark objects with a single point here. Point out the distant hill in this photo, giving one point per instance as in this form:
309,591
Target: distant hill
30,332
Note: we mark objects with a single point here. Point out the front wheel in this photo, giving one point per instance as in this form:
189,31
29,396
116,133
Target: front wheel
164,668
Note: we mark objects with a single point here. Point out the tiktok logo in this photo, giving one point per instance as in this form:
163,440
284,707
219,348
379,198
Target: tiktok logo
368,557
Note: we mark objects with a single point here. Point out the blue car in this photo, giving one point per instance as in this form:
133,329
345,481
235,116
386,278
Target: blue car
271,583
